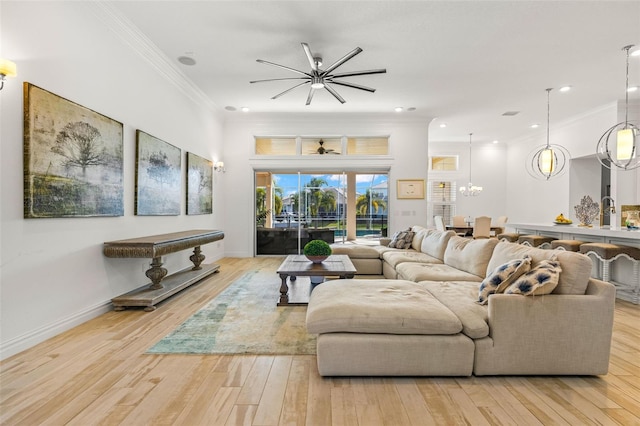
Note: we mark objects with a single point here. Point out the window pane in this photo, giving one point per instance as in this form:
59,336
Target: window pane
275,146
444,163
321,146
368,146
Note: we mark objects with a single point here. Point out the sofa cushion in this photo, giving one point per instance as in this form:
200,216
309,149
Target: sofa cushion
542,279
378,306
470,255
460,298
413,271
420,232
435,243
576,267
355,251
501,277
401,240
395,257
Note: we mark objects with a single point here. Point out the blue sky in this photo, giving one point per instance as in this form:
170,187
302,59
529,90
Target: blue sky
289,182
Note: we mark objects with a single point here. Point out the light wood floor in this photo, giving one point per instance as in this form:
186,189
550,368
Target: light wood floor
98,373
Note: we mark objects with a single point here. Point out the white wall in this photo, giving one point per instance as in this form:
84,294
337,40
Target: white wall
407,160
53,274
538,201
487,170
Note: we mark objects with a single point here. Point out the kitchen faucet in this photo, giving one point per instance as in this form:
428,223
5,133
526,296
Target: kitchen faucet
610,210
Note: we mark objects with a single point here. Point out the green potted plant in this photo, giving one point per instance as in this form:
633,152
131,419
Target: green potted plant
317,250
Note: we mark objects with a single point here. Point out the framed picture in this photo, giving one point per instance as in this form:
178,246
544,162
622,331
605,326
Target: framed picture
158,175
73,159
199,185
410,189
629,213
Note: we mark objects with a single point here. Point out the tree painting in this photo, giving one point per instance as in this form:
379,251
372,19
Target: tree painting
158,176
73,159
80,145
199,185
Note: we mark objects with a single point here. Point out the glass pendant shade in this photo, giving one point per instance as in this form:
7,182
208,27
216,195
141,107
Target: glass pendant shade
625,144
546,160
549,160
623,152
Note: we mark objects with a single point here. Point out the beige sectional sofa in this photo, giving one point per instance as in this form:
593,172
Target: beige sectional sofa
425,318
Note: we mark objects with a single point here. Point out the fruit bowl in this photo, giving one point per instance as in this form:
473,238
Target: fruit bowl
562,223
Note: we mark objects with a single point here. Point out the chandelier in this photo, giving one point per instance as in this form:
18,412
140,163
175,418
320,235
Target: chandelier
470,190
548,160
623,152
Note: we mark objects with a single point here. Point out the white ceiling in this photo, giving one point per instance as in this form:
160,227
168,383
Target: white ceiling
464,62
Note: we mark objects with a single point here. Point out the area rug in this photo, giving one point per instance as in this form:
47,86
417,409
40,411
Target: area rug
243,319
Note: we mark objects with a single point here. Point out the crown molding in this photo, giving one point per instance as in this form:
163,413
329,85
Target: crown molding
131,35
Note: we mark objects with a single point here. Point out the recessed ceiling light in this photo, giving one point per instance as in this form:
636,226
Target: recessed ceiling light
230,108
636,52
495,141
535,126
443,125
411,109
244,109
398,109
565,88
510,113
632,89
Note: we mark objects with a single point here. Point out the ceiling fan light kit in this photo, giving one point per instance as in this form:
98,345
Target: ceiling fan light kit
322,79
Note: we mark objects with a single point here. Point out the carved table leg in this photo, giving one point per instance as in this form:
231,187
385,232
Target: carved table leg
197,257
156,273
284,289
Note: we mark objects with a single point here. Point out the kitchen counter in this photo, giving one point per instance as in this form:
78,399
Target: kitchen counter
575,232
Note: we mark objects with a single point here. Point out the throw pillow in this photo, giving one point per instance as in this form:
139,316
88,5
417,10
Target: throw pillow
501,277
542,279
402,239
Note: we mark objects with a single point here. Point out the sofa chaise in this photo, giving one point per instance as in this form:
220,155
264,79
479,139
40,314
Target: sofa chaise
437,314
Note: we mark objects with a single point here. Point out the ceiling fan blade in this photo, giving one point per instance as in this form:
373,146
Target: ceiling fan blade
311,92
288,90
282,66
341,61
278,79
312,61
366,72
353,85
334,93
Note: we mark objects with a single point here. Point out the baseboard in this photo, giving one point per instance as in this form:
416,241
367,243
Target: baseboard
28,340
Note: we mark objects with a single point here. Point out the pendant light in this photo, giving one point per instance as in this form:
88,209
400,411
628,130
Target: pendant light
623,152
470,190
549,160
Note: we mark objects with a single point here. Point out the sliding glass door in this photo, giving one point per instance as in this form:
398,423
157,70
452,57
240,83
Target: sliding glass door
294,208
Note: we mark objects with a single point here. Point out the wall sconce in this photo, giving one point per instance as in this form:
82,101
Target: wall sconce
7,69
218,166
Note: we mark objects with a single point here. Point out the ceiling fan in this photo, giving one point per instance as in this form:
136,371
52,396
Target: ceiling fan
321,79
322,150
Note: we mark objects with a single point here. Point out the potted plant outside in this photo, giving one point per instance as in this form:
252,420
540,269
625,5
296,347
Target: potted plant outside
317,251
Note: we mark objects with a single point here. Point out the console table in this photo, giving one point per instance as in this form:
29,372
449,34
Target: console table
154,247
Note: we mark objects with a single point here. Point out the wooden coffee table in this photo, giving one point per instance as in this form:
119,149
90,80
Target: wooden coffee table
299,266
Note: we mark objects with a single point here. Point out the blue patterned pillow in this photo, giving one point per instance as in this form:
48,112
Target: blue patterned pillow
542,279
498,280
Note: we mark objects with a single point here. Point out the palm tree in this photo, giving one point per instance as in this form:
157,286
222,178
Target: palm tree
369,199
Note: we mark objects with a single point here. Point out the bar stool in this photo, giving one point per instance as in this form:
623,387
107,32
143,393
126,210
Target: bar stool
539,241
567,245
607,253
511,237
